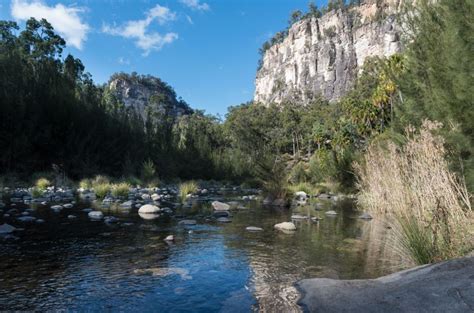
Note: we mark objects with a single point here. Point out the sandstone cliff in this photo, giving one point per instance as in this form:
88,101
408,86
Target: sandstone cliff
140,91
322,56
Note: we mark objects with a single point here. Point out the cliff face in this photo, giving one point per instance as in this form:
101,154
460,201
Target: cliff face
139,92
322,56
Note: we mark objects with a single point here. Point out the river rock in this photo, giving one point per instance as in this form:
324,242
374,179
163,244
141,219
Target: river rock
68,205
286,226
224,220
96,215
331,213
299,217
155,197
87,210
441,287
71,217
27,219
126,204
253,228
169,238
220,206
149,209
365,216
301,195
57,208
6,229
187,222
218,214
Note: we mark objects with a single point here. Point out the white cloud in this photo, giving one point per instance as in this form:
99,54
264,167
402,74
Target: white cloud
138,30
196,5
65,20
123,61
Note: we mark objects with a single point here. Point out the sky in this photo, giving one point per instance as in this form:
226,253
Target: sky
207,50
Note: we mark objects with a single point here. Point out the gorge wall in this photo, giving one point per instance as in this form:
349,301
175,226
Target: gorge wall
322,56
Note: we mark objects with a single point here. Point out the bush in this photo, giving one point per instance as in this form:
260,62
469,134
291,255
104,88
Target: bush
298,173
42,183
102,190
186,188
412,187
134,181
99,180
120,190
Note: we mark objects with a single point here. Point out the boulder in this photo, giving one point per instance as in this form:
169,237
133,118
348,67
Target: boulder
285,226
441,287
148,216
155,197
6,229
220,206
149,209
253,228
126,204
96,215
301,195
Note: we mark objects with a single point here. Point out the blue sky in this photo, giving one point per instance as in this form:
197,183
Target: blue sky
206,50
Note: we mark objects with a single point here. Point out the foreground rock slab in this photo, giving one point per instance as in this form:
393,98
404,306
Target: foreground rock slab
442,287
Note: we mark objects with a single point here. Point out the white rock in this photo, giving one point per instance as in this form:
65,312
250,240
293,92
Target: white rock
57,207
331,213
6,229
220,206
155,197
96,215
288,226
149,209
253,228
299,217
169,238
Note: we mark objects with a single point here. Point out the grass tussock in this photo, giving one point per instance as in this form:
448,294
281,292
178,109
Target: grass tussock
426,204
187,188
102,190
120,189
42,183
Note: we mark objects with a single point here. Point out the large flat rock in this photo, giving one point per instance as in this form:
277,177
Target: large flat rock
441,287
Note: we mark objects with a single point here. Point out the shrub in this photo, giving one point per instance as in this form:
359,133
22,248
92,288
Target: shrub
120,190
186,188
134,181
42,183
102,190
148,170
413,189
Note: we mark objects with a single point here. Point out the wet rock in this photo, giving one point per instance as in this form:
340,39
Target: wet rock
27,219
110,219
71,217
253,228
87,210
331,213
57,208
39,221
187,222
441,287
218,214
68,205
220,206
224,220
365,216
6,229
316,219
286,226
299,217
96,215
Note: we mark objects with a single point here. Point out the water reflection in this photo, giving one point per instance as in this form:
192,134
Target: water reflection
83,265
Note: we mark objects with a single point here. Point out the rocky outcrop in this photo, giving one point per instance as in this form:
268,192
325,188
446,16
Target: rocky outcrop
442,287
140,91
322,56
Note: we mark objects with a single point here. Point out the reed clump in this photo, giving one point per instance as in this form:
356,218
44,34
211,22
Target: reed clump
412,188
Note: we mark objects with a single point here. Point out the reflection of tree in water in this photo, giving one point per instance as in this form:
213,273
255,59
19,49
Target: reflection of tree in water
337,247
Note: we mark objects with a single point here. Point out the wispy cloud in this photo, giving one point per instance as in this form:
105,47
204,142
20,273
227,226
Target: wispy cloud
189,19
138,30
196,5
66,20
123,61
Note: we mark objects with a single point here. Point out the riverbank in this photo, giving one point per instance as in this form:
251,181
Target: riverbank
443,287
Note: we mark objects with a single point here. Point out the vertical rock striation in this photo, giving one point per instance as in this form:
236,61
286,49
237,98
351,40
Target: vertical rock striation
322,56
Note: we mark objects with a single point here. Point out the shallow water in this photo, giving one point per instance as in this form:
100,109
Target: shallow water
82,265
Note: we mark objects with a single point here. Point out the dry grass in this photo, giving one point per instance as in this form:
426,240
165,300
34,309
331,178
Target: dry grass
426,204
187,188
